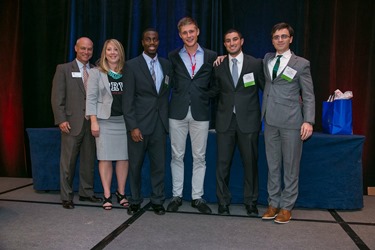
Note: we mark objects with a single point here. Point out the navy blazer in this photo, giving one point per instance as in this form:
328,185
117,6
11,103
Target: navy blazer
191,92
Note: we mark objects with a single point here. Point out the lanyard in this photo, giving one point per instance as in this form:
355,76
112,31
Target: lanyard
192,64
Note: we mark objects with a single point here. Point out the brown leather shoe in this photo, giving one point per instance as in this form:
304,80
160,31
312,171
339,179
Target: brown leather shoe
271,213
283,216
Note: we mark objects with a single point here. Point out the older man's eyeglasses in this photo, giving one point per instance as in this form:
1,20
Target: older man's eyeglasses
283,37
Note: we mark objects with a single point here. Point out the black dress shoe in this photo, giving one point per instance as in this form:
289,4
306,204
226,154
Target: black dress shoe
68,204
158,209
174,204
252,210
223,209
201,205
133,208
91,199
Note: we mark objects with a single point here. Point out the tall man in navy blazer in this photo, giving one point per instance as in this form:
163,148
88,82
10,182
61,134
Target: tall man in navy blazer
145,106
189,111
288,110
237,120
68,99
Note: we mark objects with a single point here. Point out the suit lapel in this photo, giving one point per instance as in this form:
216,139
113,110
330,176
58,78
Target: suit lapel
227,71
104,79
164,69
179,61
78,80
205,61
245,66
292,61
146,71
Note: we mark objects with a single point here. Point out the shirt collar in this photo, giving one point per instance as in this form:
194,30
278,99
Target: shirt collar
239,57
199,49
148,59
80,65
286,54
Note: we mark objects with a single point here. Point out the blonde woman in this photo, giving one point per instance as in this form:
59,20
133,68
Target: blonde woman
104,107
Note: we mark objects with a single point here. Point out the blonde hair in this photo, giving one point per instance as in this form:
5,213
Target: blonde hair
103,63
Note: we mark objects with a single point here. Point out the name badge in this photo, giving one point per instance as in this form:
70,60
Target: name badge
248,80
289,74
76,75
166,81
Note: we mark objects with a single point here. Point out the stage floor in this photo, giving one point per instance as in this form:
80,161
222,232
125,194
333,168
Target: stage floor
36,220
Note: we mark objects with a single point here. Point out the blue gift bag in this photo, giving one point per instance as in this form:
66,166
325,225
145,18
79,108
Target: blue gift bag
337,117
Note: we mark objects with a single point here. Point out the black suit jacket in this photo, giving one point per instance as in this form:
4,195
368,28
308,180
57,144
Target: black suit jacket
245,99
193,92
141,103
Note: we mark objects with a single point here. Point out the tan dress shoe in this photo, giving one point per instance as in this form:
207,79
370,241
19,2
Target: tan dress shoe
283,216
271,213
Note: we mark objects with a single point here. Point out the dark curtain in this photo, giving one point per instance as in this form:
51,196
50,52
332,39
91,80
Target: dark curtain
341,48
12,149
338,38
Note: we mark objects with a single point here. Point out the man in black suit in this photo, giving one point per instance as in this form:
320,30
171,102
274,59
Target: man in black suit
189,112
68,99
237,81
145,106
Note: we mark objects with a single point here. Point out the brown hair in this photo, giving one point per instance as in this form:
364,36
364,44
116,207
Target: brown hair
281,26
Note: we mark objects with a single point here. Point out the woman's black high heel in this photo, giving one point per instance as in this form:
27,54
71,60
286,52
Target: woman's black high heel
122,197
107,200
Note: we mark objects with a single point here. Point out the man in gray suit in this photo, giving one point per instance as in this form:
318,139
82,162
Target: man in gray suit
68,99
189,112
145,108
288,110
237,81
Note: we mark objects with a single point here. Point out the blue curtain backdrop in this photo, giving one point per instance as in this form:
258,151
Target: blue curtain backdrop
125,21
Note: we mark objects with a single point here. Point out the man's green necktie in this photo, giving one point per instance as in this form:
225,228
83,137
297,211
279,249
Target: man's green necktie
276,67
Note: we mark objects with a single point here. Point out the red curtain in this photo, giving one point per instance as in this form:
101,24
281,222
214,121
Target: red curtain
12,151
341,49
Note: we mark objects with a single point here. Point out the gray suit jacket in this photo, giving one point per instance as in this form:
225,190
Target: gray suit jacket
68,96
282,106
99,96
